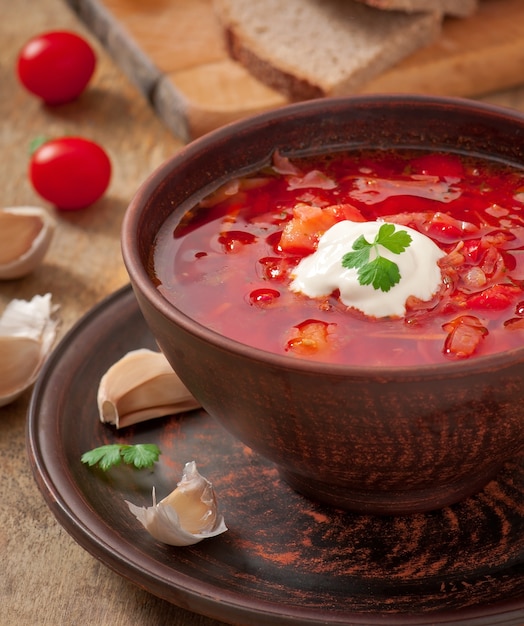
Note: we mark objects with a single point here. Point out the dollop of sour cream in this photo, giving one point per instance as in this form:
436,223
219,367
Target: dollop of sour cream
320,273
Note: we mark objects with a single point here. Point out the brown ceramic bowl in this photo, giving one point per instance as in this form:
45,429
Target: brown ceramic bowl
387,440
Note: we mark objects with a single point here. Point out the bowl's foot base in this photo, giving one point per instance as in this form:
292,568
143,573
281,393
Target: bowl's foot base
393,502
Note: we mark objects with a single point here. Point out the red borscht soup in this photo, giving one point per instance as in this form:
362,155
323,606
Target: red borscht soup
231,262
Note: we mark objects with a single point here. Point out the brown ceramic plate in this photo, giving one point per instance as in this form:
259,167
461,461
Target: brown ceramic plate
284,560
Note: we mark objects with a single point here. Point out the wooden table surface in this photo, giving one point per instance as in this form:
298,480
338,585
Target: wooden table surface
46,577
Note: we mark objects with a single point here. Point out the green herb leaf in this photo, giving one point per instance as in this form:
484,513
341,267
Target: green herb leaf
104,456
394,241
381,273
139,455
35,143
361,255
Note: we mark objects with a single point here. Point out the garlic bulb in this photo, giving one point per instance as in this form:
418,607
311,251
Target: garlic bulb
27,334
187,515
141,386
25,235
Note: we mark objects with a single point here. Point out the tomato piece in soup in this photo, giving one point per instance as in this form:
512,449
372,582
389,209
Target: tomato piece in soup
309,338
309,223
494,298
465,334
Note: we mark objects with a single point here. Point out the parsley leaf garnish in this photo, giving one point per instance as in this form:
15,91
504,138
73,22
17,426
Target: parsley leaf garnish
381,273
141,455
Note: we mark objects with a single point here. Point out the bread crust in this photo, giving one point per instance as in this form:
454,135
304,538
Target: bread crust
457,8
331,48
291,86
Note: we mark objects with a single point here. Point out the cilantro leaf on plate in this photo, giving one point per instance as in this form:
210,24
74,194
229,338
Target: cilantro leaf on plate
141,455
107,456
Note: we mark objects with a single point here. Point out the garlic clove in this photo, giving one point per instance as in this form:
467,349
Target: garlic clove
19,362
25,235
187,515
141,386
27,334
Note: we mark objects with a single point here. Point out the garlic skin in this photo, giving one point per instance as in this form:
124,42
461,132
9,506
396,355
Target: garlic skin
187,515
25,235
141,386
27,334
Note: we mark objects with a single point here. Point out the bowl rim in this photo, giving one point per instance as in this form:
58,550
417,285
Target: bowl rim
141,281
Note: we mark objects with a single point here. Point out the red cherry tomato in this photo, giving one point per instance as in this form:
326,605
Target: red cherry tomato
56,66
70,172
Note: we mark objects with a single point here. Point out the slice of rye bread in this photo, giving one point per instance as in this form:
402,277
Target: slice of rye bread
456,8
313,48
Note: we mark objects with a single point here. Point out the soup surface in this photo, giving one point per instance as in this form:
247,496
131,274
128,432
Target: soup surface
232,261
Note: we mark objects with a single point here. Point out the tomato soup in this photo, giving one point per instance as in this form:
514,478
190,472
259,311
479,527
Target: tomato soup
232,262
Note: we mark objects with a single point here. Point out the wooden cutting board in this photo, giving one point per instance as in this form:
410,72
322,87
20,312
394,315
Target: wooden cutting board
174,51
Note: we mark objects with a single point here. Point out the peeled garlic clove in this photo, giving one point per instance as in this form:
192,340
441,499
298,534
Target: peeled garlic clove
25,235
141,386
187,515
27,334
